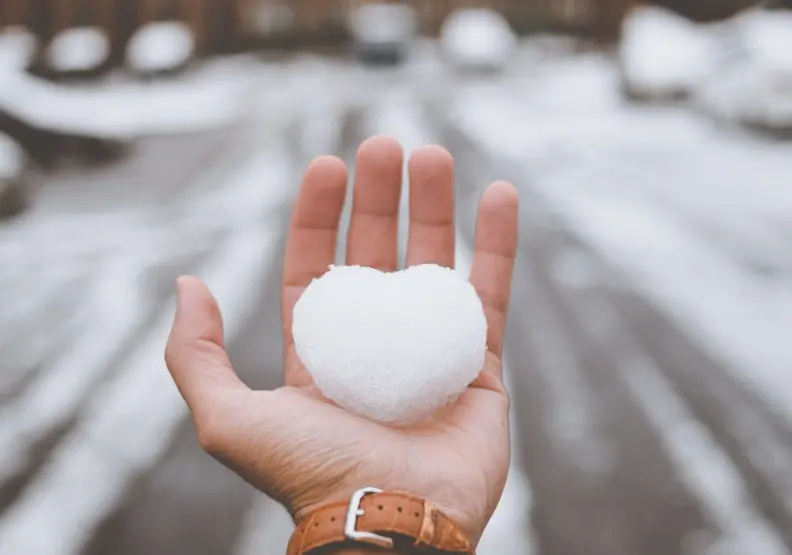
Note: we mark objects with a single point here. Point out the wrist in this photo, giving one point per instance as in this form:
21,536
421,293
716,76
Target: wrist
396,520
364,551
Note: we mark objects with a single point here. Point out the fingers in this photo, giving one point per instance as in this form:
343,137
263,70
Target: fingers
195,354
310,248
373,226
493,258
432,232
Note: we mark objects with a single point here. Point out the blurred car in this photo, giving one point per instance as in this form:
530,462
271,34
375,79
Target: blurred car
663,56
76,52
756,90
18,48
382,33
15,178
160,48
477,39
45,146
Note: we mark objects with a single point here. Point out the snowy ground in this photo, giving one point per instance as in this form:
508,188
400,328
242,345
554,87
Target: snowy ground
645,351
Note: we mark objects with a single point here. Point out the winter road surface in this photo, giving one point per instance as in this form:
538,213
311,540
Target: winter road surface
647,352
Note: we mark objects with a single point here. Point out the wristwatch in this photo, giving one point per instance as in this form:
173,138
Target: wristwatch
387,520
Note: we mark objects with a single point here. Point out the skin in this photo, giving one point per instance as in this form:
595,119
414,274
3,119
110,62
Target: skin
298,447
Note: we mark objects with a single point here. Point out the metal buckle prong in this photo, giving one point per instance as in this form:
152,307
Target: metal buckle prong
350,525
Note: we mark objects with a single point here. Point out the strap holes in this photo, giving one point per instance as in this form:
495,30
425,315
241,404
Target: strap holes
380,507
316,525
417,515
399,509
332,519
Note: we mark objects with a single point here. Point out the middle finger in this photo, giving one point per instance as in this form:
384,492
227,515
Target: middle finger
373,227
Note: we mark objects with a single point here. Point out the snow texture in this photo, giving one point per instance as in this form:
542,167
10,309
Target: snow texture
161,46
392,347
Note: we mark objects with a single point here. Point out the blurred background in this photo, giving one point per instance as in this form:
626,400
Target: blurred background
647,354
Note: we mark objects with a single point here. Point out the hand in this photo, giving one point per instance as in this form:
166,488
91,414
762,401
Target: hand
301,449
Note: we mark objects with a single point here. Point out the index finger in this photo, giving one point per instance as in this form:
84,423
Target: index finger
493,259
311,244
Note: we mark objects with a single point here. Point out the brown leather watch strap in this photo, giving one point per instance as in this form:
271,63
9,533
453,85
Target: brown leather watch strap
382,519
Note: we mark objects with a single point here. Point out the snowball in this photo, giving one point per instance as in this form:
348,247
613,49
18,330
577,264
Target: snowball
392,347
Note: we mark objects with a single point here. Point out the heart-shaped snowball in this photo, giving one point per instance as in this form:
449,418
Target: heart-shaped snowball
392,347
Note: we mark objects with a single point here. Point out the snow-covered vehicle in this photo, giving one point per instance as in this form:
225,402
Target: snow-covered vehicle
15,177
160,48
755,90
77,52
18,48
663,56
123,111
382,33
477,39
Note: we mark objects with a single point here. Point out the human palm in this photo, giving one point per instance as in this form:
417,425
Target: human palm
300,448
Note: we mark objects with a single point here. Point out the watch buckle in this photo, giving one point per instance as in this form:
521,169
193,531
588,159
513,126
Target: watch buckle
350,525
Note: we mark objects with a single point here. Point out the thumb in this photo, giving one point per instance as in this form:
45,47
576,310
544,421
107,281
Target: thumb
195,353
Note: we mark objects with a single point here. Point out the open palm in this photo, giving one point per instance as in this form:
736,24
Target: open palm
303,450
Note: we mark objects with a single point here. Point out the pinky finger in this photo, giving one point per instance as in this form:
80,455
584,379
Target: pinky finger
493,259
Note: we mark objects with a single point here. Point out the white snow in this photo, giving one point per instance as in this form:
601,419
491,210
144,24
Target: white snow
374,24
17,48
663,54
216,96
728,311
12,157
478,38
544,121
161,46
393,347
768,36
757,88
749,93
113,441
700,462
688,212
571,86
78,49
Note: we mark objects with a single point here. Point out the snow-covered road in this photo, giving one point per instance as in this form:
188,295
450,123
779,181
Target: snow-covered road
646,352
